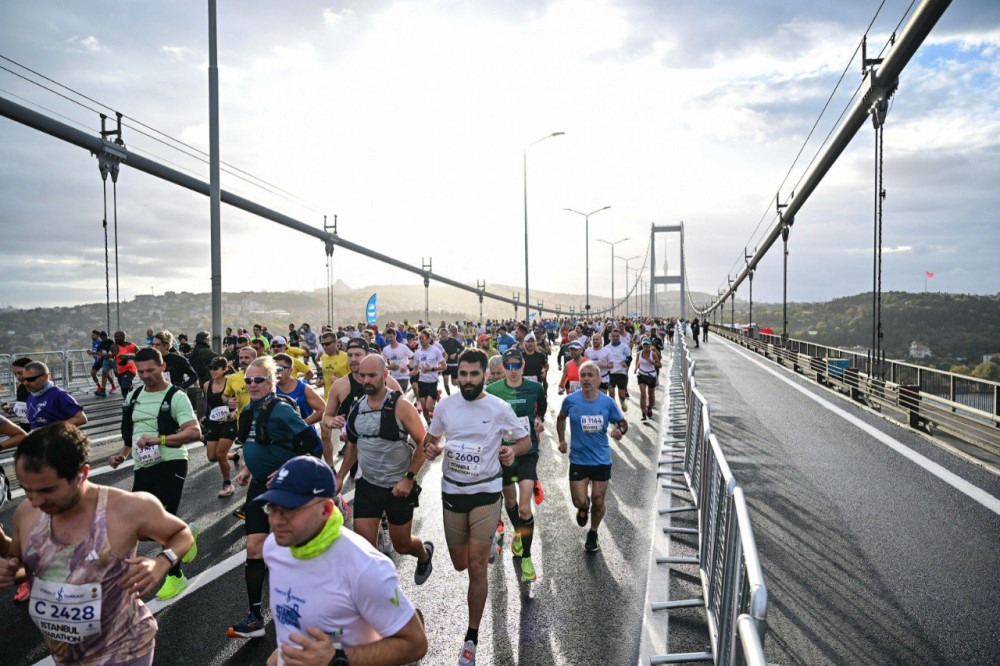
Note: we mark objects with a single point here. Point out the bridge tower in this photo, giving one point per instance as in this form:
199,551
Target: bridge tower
655,279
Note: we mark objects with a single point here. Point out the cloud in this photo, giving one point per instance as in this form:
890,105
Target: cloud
87,45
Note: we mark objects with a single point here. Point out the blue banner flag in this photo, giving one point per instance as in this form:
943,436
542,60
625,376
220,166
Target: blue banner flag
371,310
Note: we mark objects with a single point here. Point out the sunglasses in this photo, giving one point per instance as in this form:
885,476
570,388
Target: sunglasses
330,343
255,380
513,366
279,368
25,378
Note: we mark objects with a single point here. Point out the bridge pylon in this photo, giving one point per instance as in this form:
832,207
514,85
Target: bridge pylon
655,279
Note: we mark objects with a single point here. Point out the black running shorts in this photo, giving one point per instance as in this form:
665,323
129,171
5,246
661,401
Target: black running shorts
592,472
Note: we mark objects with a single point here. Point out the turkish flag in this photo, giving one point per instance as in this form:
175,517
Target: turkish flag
929,274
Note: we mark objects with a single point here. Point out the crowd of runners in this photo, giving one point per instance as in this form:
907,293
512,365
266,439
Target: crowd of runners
292,417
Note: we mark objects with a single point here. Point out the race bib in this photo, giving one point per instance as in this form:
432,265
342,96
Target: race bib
592,423
533,379
463,459
219,414
21,410
147,455
513,435
574,386
64,612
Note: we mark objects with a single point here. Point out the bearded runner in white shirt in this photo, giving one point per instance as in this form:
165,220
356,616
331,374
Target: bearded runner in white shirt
473,425
334,598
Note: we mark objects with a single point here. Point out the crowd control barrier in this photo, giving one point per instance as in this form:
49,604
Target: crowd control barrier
734,595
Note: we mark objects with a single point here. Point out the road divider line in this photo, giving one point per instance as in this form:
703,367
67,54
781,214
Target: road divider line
955,481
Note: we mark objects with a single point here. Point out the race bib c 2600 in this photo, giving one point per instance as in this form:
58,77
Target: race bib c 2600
64,612
463,459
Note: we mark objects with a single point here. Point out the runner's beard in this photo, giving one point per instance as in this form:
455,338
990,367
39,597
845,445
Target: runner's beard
471,391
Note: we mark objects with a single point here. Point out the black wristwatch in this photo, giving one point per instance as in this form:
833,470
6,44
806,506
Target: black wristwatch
411,476
339,657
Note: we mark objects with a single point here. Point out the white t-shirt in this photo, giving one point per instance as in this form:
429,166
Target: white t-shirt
400,355
350,591
474,432
599,356
618,356
432,356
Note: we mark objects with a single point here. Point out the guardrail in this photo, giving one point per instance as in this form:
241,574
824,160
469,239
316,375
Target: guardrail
733,591
964,407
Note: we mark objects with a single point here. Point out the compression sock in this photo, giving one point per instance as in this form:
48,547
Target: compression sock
254,573
527,532
515,519
472,635
176,570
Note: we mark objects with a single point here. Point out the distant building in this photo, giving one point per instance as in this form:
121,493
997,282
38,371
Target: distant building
918,350
991,358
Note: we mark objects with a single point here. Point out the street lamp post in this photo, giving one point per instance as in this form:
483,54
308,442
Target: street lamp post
626,278
601,240
635,284
524,162
586,240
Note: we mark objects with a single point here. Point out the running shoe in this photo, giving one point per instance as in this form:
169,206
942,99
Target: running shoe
515,545
499,534
239,513
527,571
251,627
101,394
538,492
384,541
494,550
624,406
172,586
23,592
193,552
468,656
592,546
423,571
649,412
113,388
99,391
227,489
581,515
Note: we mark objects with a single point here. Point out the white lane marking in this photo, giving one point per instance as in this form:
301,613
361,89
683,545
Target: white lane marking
107,468
201,580
958,483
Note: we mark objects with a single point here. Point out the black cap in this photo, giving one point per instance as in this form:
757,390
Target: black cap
514,353
358,343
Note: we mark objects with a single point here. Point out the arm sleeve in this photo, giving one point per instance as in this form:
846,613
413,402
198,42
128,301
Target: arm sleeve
542,404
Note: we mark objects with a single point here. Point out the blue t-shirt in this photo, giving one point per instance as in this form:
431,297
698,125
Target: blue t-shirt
588,427
282,427
52,406
505,342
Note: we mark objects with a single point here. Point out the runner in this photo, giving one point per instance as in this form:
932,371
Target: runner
473,425
272,433
590,413
398,358
46,402
570,381
157,421
219,422
536,362
309,402
334,599
333,365
123,352
95,353
520,478
115,626
179,371
429,361
378,431
452,348
621,358
602,358
647,369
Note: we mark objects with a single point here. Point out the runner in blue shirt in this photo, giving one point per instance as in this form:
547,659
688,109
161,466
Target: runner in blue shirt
590,413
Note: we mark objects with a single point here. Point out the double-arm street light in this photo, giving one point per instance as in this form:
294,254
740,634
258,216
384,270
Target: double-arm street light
586,237
601,240
626,279
524,155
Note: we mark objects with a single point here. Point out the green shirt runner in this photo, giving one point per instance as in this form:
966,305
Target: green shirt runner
527,400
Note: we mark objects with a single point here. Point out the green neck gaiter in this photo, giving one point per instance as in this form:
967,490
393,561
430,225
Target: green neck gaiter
319,543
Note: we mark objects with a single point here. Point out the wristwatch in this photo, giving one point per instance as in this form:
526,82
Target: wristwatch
339,657
171,556
411,476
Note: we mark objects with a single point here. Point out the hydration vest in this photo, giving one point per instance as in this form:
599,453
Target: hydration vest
388,428
263,415
165,423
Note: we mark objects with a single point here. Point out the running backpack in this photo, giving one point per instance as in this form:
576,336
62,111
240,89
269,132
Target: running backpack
388,427
263,415
165,423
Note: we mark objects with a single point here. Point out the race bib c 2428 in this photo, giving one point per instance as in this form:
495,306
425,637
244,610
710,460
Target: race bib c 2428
64,612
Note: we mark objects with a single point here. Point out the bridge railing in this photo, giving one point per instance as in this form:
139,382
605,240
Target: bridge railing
964,407
733,591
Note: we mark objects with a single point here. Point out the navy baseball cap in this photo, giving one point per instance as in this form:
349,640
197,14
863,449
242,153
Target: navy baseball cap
298,481
512,353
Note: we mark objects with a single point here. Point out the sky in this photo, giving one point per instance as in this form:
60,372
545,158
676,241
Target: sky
412,121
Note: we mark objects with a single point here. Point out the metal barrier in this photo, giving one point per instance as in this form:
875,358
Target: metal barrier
8,386
733,591
78,365
963,407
